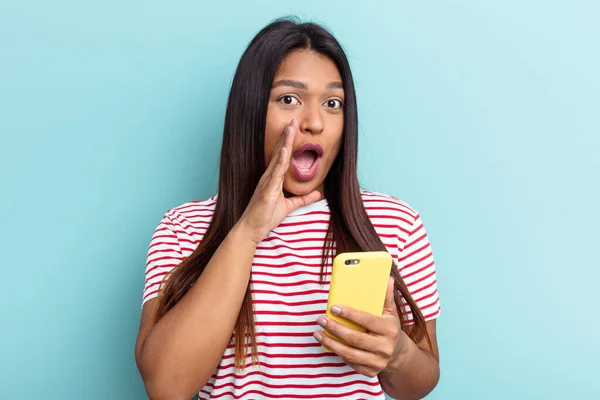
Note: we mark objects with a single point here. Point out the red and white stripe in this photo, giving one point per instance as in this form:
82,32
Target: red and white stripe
288,297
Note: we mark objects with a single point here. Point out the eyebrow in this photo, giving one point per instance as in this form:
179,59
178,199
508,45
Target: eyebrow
335,85
304,86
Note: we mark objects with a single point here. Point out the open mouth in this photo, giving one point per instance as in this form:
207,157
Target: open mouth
306,161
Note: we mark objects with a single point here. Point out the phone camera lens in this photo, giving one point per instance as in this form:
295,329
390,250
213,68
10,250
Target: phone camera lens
348,262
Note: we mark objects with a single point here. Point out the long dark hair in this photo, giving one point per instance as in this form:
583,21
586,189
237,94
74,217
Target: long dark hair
242,164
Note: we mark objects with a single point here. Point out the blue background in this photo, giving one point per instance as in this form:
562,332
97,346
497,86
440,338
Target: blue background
484,116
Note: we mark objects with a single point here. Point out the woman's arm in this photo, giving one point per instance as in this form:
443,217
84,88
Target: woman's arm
178,355
414,373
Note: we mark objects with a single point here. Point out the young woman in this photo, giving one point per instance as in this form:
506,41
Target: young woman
237,285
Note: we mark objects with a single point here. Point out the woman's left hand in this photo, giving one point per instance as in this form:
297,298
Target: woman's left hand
370,352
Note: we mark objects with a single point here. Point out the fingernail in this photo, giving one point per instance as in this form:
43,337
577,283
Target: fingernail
318,335
322,321
337,310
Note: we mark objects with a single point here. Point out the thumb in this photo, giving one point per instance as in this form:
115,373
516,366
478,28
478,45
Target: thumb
389,306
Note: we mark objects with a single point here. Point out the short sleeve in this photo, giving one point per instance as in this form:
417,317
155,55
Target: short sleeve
417,268
164,254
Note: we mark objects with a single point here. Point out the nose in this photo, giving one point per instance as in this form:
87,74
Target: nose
311,119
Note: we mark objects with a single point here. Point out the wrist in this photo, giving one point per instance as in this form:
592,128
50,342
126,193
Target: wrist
402,357
243,234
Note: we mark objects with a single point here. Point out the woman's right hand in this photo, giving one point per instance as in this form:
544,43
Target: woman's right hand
269,206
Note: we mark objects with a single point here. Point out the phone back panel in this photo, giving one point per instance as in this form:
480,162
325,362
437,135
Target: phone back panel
361,286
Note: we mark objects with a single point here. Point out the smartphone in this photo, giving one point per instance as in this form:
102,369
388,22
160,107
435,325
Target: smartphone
360,281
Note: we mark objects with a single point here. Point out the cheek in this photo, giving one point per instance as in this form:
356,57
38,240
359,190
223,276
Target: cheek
336,145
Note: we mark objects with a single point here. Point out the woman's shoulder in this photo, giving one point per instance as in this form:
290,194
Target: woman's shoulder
193,210
386,205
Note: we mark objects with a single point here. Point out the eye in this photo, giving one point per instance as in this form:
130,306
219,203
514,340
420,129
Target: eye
289,100
334,103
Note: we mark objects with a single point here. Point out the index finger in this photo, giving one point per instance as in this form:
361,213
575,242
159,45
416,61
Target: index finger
286,141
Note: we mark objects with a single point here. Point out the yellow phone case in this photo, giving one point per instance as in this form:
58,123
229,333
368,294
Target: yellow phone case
361,285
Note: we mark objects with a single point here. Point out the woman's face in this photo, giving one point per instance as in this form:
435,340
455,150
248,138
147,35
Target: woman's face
307,88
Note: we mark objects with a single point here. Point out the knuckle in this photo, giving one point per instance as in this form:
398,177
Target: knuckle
333,327
370,373
388,351
392,331
359,318
356,340
327,341
366,322
349,356
261,189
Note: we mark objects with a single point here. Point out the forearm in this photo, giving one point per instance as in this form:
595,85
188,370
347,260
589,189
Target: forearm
185,346
412,375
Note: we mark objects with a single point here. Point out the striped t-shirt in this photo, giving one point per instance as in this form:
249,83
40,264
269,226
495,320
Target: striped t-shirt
288,297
